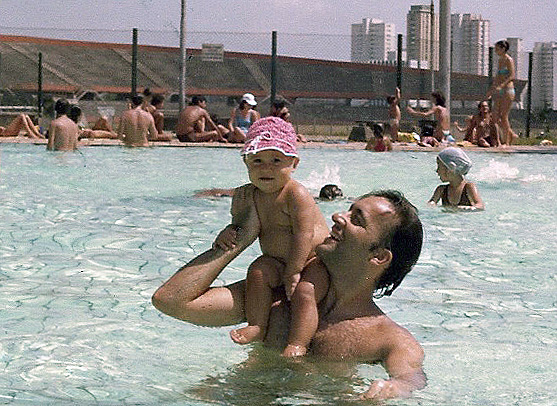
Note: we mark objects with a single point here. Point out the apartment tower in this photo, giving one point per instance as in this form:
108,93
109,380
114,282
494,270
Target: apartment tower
373,41
470,44
418,37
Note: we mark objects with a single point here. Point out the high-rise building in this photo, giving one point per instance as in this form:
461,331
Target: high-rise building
418,37
516,52
470,44
544,75
372,40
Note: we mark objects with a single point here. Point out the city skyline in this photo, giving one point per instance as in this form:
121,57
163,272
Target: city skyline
321,17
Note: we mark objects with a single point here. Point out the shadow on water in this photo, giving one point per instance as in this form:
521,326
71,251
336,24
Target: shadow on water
266,378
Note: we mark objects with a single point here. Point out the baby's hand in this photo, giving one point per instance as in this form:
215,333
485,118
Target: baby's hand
226,240
290,283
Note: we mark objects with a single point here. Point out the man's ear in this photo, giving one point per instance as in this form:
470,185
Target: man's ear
381,256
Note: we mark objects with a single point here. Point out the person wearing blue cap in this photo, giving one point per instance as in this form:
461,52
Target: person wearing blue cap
452,165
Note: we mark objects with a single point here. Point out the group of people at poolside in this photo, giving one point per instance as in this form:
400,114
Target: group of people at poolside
312,290
484,129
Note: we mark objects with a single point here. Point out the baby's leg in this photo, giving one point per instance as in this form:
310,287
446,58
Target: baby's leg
264,274
312,288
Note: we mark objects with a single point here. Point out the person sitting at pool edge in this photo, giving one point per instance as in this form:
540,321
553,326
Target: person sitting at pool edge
452,165
63,132
192,121
21,123
136,126
379,143
441,113
375,243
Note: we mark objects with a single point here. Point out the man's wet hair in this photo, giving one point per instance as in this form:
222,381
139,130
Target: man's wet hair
404,240
75,113
137,100
157,99
330,192
195,100
391,98
62,106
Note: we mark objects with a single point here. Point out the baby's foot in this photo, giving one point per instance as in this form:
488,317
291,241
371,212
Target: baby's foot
246,335
292,351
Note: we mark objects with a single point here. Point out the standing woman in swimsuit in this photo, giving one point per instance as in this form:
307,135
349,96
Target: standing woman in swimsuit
241,118
502,91
452,165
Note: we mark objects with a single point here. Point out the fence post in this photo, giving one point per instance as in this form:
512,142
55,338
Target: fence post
273,67
399,62
40,86
134,63
183,57
490,74
529,94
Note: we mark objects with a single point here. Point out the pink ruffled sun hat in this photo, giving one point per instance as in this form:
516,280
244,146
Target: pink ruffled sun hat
271,133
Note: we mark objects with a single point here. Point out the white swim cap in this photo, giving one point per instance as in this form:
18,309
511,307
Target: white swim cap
456,160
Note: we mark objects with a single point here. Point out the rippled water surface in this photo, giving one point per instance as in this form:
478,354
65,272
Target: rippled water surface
86,238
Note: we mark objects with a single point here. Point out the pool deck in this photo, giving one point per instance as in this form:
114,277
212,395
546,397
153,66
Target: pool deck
536,149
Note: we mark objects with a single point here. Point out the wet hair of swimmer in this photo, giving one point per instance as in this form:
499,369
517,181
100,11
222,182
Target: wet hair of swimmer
330,192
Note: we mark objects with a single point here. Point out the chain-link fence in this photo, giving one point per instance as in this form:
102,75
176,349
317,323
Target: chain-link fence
326,88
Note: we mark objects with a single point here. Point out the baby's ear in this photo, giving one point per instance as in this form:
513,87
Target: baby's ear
296,162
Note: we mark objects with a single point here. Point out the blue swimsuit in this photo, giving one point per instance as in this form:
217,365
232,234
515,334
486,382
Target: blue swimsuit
243,123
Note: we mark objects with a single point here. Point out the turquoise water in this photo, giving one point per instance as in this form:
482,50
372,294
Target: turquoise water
85,239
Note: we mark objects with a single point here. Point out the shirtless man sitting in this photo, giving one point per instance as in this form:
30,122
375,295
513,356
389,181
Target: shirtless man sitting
136,125
375,243
192,120
441,113
63,133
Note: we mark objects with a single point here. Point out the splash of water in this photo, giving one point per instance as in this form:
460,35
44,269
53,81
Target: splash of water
319,178
497,171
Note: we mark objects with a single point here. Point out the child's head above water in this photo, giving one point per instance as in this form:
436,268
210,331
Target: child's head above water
271,133
270,153
456,160
330,192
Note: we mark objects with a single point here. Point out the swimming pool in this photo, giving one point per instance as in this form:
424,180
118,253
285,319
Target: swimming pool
87,237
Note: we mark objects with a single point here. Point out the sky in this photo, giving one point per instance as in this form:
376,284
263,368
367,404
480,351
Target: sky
158,20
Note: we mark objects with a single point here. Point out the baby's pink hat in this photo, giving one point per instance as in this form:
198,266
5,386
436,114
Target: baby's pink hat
271,133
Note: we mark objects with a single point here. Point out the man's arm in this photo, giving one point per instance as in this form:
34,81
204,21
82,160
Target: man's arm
404,364
420,113
188,295
153,133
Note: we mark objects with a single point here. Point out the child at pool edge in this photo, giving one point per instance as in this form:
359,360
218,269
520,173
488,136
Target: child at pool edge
291,224
452,165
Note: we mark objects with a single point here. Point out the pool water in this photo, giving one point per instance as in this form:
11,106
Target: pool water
86,238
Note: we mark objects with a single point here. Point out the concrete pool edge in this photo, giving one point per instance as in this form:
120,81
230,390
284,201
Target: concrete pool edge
537,149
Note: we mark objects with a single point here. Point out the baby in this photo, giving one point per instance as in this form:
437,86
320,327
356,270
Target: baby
291,225
452,165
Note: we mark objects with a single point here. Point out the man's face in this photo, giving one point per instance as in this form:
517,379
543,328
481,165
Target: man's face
354,232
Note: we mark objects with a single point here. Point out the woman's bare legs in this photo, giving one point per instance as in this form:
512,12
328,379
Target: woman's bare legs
503,105
21,123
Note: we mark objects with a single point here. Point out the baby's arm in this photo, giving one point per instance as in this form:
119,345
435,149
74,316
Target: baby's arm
242,202
436,196
301,209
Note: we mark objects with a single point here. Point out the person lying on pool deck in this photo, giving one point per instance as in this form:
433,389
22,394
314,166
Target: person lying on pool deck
368,253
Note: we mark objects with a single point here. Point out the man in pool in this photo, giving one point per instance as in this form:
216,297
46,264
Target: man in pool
63,132
136,125
376,243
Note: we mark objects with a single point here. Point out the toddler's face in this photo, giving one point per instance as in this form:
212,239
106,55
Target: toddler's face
270,170
442,170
